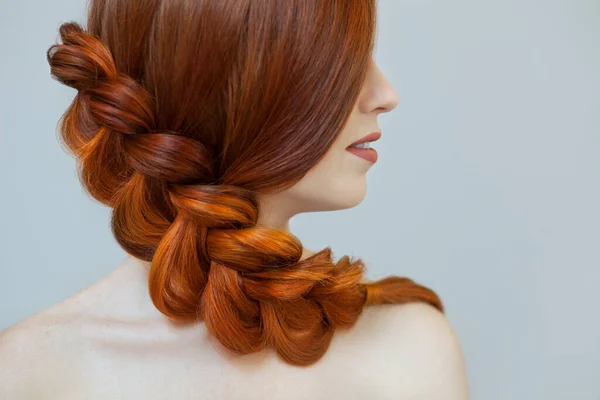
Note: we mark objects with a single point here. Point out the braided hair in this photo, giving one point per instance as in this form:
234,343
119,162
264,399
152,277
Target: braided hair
209,260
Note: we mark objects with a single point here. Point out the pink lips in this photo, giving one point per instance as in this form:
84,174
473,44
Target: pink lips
367,154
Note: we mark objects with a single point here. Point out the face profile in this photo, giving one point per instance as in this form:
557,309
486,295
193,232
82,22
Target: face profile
338,180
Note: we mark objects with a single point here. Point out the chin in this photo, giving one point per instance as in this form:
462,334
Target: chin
355,201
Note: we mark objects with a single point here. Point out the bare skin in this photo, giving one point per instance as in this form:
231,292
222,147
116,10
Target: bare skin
108,341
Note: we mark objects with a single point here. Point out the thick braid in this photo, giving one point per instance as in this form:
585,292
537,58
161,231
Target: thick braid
123,162
209,260
79,63
253,290
258,293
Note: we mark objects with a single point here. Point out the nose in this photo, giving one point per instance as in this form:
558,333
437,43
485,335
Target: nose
383,96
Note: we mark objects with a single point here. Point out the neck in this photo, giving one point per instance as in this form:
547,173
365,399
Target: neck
270,218
277,217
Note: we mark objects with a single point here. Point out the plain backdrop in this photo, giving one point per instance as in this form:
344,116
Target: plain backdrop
487,186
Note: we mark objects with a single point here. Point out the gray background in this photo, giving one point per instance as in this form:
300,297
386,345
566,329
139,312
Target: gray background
486,189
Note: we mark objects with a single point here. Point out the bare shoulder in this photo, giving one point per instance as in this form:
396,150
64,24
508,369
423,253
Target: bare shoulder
37,357
43,355
417,351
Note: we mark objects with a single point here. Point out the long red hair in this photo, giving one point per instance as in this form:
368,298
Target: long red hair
185,111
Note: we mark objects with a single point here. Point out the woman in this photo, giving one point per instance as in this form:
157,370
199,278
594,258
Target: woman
205,126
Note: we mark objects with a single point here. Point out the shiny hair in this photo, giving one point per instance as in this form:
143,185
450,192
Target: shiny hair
185,111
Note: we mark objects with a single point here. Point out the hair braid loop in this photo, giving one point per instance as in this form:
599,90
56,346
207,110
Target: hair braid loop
169,157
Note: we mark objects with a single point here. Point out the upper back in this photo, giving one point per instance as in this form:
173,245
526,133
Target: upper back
108,340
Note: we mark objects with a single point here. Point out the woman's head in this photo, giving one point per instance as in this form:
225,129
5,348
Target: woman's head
191,116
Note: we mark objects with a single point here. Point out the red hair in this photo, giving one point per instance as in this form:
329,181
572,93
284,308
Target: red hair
185,111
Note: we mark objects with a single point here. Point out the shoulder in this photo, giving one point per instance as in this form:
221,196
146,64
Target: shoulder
418,352
37,357
57,350
45,354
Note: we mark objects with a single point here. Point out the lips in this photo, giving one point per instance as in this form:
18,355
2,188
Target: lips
371,137
365,152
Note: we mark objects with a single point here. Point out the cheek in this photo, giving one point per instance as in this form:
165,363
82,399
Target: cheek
349,182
